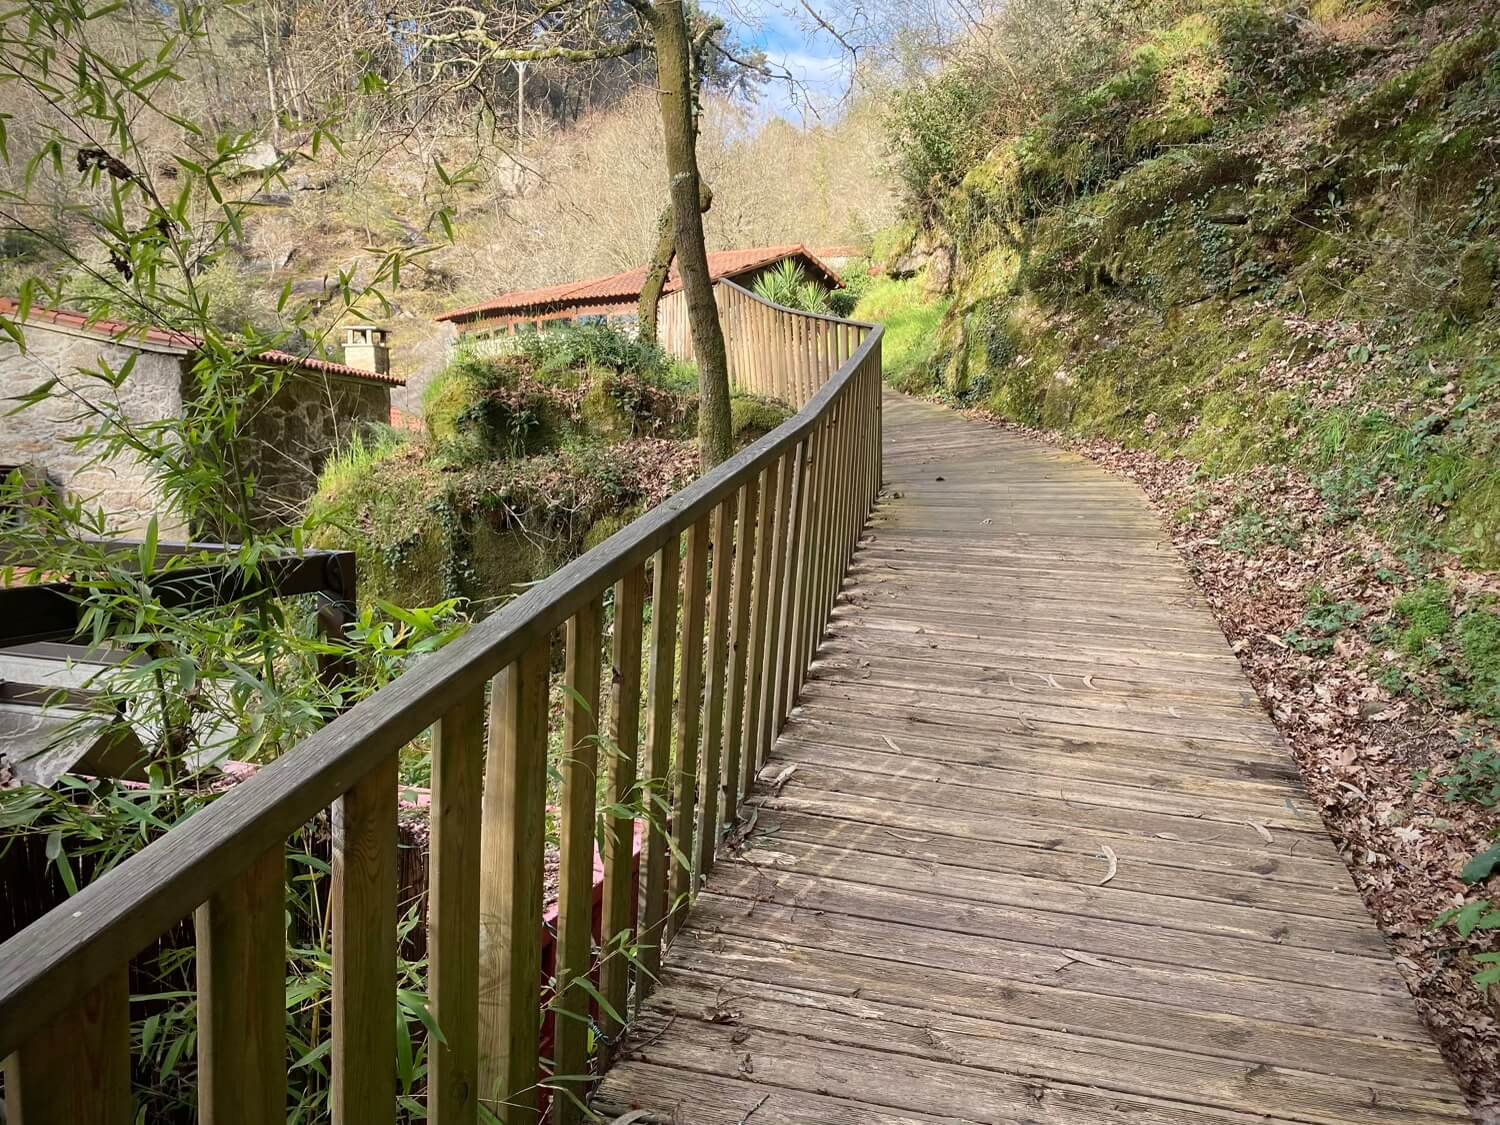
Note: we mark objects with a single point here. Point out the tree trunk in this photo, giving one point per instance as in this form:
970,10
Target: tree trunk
675,96
656,277
660,266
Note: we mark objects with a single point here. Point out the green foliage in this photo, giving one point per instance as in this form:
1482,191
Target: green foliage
1321,624
1474,778
1426,619
751,417
856,279
787,284
911,318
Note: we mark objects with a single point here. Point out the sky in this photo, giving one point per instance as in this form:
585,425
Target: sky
819,65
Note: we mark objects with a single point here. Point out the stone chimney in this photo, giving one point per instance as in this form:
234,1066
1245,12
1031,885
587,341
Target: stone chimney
366,347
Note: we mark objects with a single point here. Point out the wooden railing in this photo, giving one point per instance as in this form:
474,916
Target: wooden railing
770,353
768,535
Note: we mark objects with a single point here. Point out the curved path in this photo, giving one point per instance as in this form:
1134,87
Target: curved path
1042,857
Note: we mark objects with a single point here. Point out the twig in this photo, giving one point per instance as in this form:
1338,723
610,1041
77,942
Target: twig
752,1110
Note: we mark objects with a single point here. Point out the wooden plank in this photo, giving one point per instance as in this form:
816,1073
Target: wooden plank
241,970
794,564
575,891
747,538
453,892
74,1069
618,923
762,610
776,631
657,790
693,697
992,1047
364,950
716,714
512,839
1017,868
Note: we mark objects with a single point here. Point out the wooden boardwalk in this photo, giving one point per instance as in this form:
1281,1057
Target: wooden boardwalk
1042,857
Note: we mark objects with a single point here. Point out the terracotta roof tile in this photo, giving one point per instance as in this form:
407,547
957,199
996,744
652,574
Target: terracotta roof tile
126,333
627,285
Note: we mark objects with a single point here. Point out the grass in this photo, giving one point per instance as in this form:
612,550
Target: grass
911,319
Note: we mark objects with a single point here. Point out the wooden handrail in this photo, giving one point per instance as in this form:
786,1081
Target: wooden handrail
802,492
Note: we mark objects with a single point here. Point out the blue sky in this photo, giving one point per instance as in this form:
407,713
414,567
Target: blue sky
814,58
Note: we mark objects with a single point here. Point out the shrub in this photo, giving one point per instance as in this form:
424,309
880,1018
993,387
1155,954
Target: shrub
787,283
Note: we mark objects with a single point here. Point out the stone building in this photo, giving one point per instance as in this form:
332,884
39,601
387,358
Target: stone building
318,408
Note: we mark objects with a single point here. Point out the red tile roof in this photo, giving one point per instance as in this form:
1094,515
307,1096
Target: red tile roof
161,337
627,286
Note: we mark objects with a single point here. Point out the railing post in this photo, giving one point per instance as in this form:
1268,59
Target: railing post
364,949
745,541
660,685
241,967
689,716
75,1068
620,794
575,890
715,695
797,567
453,858
760,618
776,642
512,843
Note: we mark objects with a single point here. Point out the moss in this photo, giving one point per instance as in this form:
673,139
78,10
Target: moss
607,526
909,348
1478,637
1443,70
1426,618
751,417
1476,280
603,415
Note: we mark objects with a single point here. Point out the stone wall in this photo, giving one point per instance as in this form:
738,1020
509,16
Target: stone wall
310,416
38,435
289,440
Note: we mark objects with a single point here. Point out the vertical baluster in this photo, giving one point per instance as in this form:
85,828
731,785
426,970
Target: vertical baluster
575,889
512,843
775,647
75,1069
660,688
621,794
814,519
689,722
826,495
241,968
717,691
453,913
796,568
739,648
760,618
364,949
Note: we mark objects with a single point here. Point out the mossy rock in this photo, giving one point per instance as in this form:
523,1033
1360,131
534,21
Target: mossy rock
752,418
607,526
1447,67
602,414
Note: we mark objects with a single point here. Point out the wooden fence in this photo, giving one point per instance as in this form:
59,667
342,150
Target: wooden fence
770,353
736,614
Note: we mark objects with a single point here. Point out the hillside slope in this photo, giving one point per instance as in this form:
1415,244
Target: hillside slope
1249,259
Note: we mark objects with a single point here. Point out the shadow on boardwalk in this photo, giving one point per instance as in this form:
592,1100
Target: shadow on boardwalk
1042,858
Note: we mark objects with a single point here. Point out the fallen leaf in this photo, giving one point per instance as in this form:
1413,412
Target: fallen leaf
1108,853
1262,831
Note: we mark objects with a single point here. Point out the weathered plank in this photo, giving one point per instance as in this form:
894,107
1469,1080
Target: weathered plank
1034,850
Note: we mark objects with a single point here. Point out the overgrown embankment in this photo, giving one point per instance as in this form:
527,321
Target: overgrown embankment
523,461
1245,251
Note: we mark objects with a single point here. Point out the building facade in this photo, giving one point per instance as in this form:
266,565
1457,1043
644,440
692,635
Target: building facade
318,407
